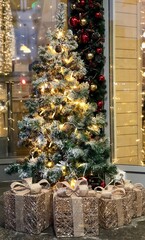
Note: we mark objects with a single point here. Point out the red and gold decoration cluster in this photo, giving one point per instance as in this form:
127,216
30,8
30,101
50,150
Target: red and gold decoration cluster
87,23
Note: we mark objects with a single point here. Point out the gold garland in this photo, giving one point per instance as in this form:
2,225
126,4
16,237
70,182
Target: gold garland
6,37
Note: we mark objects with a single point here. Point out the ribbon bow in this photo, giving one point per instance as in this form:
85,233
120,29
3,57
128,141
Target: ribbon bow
65,190
110,194
27,186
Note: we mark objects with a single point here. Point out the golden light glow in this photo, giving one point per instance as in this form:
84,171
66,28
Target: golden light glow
25,49
68,60
73,183
63,168
50,164
60,34
6,37
51,50
61,126
52,91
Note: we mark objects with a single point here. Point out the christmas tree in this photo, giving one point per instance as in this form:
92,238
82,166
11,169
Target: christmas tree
63,133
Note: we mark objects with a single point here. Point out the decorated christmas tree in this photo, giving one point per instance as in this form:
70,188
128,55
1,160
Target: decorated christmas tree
61,128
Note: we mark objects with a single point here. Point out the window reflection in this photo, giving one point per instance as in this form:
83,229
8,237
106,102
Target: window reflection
31,20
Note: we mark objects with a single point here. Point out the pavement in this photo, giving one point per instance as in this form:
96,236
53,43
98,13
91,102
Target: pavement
134,231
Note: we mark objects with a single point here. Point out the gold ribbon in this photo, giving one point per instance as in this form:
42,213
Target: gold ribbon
27,187
63,189
138,187
112,193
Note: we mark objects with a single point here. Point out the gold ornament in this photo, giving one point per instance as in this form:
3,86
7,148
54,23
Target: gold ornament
90,56
50,164
93,87
73,6
83,22
76,38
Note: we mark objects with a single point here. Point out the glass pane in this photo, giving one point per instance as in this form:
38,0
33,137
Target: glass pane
30,21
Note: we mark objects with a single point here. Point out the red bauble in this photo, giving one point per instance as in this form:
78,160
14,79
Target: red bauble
103,184
100,104
82,3
84,38
74,21
91,5
99,50
98,15
101,78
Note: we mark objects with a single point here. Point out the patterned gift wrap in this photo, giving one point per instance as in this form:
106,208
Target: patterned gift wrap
30,213
136,193
76,216
114,210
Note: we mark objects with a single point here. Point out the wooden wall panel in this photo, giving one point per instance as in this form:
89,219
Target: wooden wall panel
129,160
126,63
127,141
126,108
126,19
126,86
126,130
124,31
126,53
127,151
125,8
127,1
126,119
127,97
125,43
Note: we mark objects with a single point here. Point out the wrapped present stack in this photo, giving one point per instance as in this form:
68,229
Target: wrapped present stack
28,207
75,210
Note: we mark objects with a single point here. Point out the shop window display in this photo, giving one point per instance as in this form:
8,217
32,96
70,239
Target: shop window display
26,28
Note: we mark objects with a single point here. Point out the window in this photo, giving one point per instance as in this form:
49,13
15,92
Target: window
30,21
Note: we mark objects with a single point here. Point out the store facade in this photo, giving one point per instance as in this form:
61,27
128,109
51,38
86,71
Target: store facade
124,71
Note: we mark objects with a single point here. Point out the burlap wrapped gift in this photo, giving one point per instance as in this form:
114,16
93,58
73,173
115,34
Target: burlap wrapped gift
28,207
114,208
75,211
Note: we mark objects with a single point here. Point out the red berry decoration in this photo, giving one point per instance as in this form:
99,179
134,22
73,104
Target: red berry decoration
84,38
74,21
103,184
99,50
100,104
101,78
98,15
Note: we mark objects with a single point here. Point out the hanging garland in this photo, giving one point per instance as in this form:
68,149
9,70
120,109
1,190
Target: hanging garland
87,23
6,37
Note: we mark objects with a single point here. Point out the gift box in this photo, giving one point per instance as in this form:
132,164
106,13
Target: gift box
75,211
114,208
136,193
28,207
